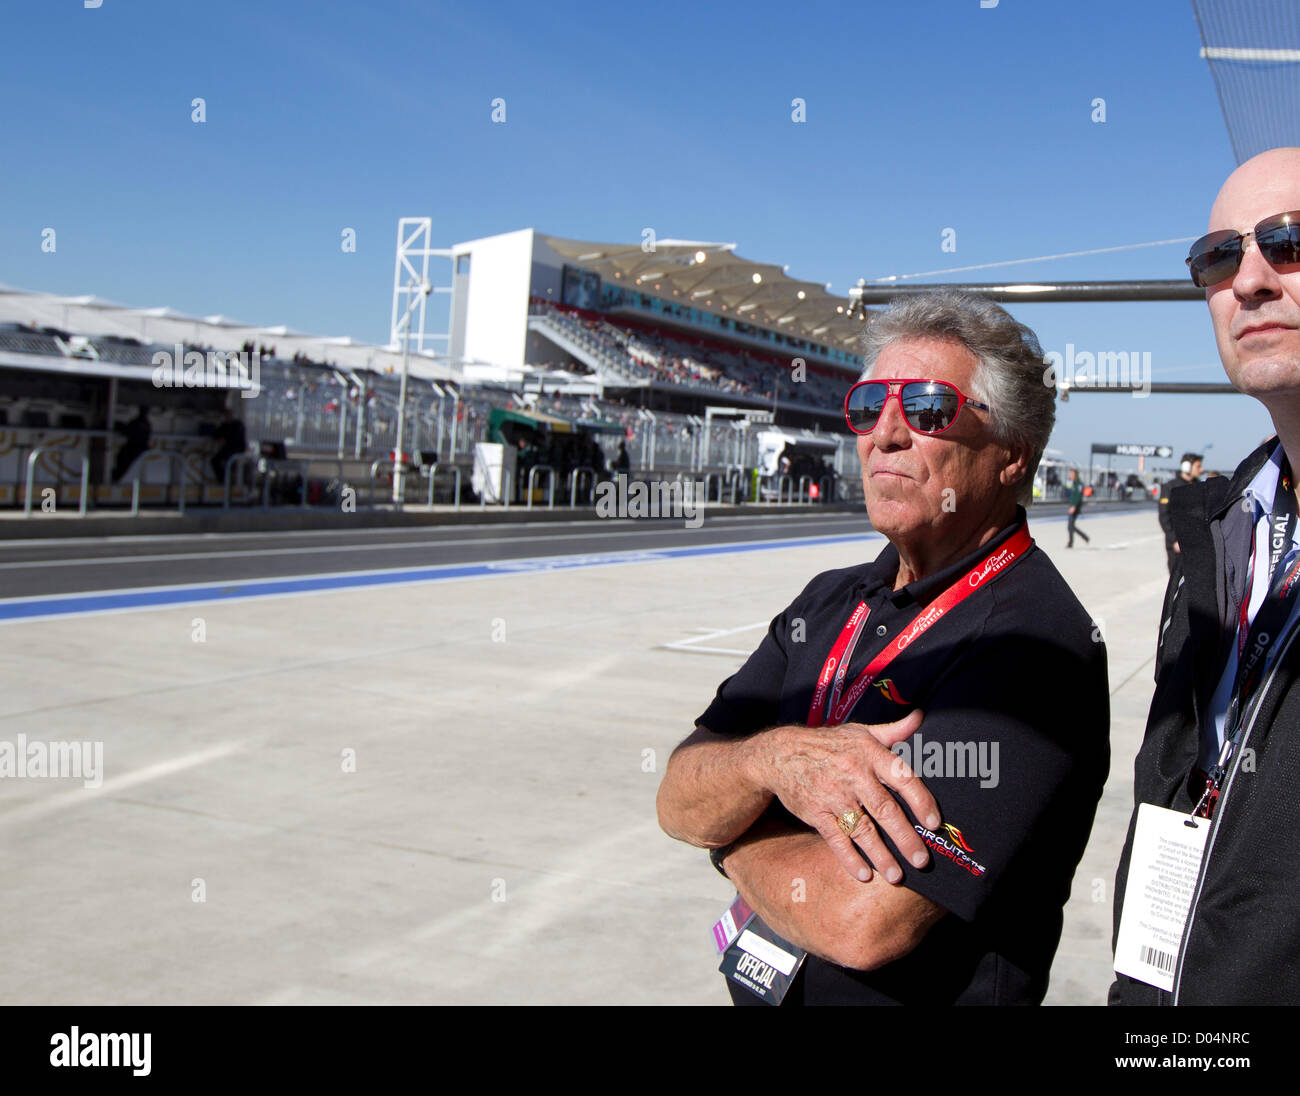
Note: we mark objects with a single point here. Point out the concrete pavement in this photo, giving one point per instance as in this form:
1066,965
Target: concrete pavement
434,793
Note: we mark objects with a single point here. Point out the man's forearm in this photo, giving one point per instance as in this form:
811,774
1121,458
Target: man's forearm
792,880
713,789
770,870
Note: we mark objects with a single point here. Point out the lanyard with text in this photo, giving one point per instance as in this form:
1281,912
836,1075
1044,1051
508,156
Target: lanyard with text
834,709
1255,641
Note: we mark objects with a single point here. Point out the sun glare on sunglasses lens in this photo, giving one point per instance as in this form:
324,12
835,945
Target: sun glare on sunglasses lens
928,406
1217,256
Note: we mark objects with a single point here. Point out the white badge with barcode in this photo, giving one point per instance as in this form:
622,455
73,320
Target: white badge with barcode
1167,850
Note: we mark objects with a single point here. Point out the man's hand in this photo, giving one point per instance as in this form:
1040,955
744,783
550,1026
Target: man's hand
818,773
1177,551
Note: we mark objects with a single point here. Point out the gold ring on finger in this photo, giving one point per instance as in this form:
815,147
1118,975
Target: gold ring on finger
848,821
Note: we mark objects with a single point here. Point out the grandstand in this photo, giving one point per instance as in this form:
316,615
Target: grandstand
665,327
686,346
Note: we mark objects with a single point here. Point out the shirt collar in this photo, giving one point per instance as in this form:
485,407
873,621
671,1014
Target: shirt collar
1263,488
885,569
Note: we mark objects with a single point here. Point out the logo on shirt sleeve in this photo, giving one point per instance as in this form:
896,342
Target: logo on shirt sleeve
958,837
952,844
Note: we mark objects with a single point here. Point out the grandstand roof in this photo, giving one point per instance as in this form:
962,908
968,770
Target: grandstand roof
94,316
712,277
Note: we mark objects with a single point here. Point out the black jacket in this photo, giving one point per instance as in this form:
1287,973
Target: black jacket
1166,493
1242,940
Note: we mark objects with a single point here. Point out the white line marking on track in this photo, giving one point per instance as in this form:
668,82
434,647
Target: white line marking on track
692,646
82,797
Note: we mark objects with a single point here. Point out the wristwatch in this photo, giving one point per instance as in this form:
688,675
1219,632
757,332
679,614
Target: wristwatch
717,856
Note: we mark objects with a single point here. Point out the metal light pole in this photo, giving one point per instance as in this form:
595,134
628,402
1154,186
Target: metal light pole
455,418
399,458
359,443
441,397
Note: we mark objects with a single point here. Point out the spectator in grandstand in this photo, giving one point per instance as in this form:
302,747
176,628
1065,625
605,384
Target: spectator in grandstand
789,777
231,441
137,433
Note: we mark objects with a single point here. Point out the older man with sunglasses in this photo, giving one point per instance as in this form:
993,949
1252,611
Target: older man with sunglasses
933,873
1217,780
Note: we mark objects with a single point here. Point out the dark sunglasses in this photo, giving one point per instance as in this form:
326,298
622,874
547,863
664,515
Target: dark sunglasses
1217,256
929,407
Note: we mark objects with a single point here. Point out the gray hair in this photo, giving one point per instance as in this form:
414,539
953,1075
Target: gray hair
1011,377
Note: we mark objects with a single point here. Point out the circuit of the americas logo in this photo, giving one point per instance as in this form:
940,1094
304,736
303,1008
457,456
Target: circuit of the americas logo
951,843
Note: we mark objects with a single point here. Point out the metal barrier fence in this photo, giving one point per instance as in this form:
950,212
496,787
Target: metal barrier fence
550,483
429,471
31,478
356,415
713,477
238,460
173,458
577,475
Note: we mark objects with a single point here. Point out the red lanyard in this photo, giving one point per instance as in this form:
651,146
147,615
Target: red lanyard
824,712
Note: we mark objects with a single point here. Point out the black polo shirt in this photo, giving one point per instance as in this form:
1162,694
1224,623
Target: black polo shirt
1014,746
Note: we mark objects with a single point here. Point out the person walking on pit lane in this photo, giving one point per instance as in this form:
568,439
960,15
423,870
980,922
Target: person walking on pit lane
1189,471
1074,496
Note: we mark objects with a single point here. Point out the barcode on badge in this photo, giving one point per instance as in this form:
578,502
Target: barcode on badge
1161,960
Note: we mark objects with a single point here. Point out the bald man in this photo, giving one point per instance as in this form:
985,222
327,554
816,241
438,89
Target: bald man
1217,781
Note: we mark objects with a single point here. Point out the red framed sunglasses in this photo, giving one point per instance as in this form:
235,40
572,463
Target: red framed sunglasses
929,406
1217,256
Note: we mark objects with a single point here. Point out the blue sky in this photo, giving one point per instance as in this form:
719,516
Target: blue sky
921,116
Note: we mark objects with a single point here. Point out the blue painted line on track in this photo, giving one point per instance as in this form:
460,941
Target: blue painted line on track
57,605
110,601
